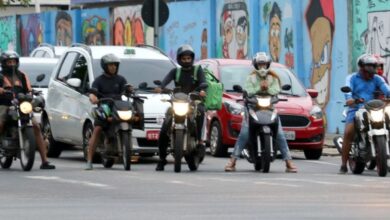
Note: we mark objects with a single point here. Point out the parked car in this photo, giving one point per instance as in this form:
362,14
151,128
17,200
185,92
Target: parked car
48,51
301,118
67,119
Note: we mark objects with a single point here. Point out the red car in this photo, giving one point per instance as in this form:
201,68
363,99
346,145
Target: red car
301,118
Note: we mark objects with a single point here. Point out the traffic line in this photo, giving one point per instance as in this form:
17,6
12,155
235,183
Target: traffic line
321,162
61,180
183,183
276,184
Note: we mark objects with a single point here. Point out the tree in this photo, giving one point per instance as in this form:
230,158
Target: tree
5,3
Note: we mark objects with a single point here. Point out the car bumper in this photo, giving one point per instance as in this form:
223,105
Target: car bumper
307,138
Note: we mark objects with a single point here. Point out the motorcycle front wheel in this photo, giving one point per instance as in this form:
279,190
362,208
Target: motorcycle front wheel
266,153
126,148
381,155
27,153
178,149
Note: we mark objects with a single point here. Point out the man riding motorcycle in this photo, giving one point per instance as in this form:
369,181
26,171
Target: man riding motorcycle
187,83
18,82
363,84
110,85
261,79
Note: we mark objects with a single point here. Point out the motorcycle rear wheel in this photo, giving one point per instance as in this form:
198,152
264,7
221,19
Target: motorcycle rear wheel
27,155
6,162
356,165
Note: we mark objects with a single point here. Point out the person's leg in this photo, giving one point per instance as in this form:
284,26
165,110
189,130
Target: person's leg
3,117
238,146
92,145
42,146
163,140
199,122
284,150
347,140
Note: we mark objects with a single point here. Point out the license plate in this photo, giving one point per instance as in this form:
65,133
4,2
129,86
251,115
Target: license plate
152,135
290,135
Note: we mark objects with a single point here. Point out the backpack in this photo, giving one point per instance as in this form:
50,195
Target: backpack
213,100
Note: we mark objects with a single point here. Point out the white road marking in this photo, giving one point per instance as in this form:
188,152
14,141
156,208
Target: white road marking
61,180
276,184
321,162
183,183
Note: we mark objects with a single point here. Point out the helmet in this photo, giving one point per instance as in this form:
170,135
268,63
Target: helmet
366,59
109,59
185,50
8,55
379,59
261,58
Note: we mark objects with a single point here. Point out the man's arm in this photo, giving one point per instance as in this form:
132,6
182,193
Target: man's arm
168,78
250,85
383,86
274,87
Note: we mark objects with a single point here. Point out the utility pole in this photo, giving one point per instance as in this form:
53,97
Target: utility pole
156,22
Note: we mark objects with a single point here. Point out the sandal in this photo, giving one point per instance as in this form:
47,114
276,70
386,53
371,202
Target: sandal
291,168
230,166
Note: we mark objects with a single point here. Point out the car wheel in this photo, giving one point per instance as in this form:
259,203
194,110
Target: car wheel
54,148
87,133
217,149
313,154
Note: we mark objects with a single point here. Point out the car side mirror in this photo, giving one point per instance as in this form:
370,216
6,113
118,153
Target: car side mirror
74,82
40,77
237,88
286,87
157,82
313,93
346,89
143,85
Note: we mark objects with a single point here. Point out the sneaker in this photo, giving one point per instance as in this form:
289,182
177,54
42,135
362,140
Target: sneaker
343,169
47,166
160,165
88,166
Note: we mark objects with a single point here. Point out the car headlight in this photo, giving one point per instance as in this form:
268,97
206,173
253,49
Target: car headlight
26,107
125,115
377,116
233,108
264,102
316,112
180,108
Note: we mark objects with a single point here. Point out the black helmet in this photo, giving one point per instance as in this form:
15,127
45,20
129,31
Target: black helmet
261,58
185,50
8,55
109,59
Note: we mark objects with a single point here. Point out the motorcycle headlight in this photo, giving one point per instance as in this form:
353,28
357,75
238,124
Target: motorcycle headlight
25,107
233,108
387,110
264,102
377,116
316,112
125,115
180,108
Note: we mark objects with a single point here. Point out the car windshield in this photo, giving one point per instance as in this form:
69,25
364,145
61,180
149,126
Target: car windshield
34,70
140,70
237,75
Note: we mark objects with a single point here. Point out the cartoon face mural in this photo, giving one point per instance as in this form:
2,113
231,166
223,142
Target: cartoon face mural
31,33
275,26
63,28
234,30
94,30
7,33
320,21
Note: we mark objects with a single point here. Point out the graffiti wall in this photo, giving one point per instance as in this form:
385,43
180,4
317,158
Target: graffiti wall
8,33
233,28
128,27
31,32
371,30
95,26
187,28
278,31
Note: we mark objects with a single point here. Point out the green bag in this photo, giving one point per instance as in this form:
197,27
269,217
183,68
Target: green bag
213,100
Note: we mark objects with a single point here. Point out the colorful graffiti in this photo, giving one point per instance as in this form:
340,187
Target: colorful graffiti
233,29
94,25
8,33
371,30
63,29
129,28
320,22
31,33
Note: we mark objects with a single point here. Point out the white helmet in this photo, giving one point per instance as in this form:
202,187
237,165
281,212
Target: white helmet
261,58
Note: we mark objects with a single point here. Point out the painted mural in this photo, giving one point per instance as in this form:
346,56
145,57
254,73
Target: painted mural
371,30
233,29
95,26
31,32
8,33
277,27
63,27
128,27
187,28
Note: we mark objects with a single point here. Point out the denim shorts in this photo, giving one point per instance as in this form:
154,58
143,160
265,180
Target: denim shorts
350,116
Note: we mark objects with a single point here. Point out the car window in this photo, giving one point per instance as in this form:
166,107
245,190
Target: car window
39,53
67,66
140,70
80,71
33,70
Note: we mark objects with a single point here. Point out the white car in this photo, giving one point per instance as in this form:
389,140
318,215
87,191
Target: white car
45,50
67,119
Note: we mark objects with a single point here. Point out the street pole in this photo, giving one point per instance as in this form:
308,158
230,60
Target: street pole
156,19
37,6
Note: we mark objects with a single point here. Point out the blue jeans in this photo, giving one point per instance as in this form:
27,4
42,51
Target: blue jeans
244,136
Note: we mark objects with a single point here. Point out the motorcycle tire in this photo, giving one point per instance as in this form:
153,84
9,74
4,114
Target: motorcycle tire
192,161
338,142
108,162
257,165
381,155
266,157
27,156
6,162
178,149
371,165
126,148
356,165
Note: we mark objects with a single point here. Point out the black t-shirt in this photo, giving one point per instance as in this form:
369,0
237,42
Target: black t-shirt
110,86
186,80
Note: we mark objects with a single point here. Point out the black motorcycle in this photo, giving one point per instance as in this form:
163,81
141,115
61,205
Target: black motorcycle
183,131
18,140
120,118
263,127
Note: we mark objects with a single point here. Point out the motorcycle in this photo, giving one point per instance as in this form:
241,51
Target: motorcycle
120,117
183,131
263,127
371,140
18,140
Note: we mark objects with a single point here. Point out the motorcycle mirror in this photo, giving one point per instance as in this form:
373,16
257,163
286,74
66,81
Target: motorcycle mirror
286,87
346,89
237,88
143,85
40,77
157,82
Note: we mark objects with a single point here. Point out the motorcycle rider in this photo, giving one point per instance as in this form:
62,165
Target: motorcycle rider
185,57
110,85
261,79
18,82
363,84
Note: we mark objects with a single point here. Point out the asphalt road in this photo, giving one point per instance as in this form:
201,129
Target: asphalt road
69,192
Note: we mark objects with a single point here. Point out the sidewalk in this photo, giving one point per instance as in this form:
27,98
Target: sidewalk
329,147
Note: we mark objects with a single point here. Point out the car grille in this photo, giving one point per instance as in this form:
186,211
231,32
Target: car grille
150,120
294,121
142,142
